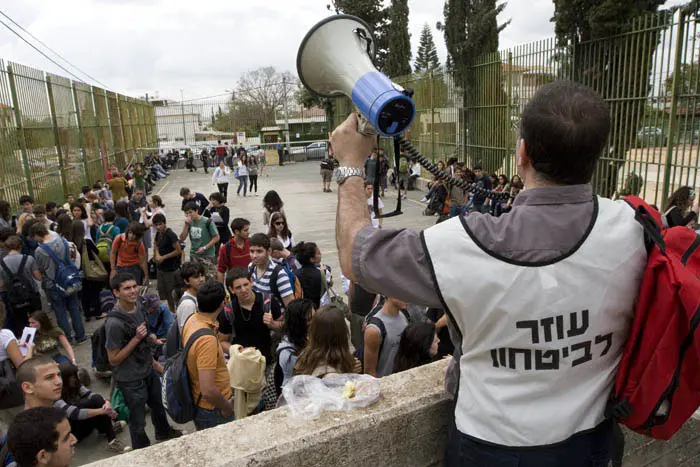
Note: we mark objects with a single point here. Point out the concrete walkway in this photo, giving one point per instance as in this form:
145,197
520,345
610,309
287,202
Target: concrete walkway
311,216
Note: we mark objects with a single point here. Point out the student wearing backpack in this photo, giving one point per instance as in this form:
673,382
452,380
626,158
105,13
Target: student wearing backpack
269,277
314,277
236,252
203,237
540,301
209,378
193,276
129,254
106,233
249,317
61,281
167,254
382,336
133,370
297,318
17,286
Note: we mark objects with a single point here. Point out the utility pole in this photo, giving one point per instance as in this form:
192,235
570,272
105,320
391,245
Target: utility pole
286,115
182,109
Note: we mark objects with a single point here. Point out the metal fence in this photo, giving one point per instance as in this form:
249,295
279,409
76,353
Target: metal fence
57,135
650,77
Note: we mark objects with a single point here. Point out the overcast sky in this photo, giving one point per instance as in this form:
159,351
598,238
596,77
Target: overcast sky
203,46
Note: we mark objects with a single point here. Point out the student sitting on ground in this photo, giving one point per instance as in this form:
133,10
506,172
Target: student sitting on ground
50,339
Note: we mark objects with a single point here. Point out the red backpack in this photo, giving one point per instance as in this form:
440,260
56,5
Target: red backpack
657,386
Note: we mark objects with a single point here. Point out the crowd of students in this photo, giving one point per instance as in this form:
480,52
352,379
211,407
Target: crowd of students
267,292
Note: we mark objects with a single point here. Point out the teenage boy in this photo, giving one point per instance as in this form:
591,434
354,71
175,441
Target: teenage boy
264,271
209,377
19,304
369,193
61,304
132,365
39,212
129,253
51,208
381,347
40,379
236,252
27,204
203,236
198,199
249,317
41,436
481,180
167,254
193,276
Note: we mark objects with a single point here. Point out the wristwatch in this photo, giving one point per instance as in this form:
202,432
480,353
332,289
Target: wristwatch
343,173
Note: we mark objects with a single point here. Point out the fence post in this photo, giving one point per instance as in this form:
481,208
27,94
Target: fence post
432,113
20,130
59,149
674,104
81,138
509,129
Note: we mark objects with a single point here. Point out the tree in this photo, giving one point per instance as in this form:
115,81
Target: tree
376,16
600,35
471,31
427,57
398,62
264,89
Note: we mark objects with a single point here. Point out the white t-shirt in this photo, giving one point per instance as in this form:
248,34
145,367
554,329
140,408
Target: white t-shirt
186,309
370,207
6,336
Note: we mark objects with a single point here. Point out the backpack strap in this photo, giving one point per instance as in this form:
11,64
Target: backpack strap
324,282
407,315
228,253
196,335
274,290
52,255
382,332
186,297
267,302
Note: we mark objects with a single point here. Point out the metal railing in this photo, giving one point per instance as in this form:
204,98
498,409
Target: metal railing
57,135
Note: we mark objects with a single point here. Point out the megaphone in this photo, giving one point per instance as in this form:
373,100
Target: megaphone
335,58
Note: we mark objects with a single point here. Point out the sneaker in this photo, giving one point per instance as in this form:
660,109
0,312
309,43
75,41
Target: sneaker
118,426
424,200
172,434
81,341
118,447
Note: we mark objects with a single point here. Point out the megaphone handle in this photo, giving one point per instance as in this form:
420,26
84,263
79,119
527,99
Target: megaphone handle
364,126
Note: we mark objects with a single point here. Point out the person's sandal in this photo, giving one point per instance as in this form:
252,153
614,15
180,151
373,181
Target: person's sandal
118,447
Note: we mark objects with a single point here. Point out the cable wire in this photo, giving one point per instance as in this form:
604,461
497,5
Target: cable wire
50,49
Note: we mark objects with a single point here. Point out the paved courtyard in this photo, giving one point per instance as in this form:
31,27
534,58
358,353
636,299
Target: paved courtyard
311,216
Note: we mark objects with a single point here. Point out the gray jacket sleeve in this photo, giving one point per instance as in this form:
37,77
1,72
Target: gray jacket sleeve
393,263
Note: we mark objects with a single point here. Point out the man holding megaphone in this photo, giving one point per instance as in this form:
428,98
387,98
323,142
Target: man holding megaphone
539,300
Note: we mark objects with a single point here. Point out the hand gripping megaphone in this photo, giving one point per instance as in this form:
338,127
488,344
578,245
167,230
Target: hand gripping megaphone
335,58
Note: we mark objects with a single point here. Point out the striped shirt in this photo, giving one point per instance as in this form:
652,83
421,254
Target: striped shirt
73,412
262,284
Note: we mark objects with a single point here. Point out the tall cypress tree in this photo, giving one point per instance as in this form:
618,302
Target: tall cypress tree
427,57
398,62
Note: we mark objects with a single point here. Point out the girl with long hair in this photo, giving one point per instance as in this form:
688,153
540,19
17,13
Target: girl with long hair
328,348
242,175
314,277
297,318
90,294
418,346
220,215
121,208
221,177
271,203
678,207
253,173
50,339
280,230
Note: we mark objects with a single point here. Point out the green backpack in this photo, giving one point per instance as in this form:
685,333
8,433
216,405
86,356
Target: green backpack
104,245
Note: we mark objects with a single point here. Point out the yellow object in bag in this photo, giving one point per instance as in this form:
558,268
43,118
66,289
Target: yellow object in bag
246,368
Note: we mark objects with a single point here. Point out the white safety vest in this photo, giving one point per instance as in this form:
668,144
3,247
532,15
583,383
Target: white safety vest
541,342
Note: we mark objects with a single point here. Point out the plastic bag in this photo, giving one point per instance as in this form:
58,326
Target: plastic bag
119,406
308,396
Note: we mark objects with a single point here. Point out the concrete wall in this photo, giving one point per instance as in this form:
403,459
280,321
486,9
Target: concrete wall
406,428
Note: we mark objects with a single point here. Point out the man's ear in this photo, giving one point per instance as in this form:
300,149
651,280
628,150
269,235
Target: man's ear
27,387
43,457
522,158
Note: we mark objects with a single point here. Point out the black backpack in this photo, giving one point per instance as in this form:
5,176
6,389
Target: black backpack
371,318
22,298
100,360
279,375
175,392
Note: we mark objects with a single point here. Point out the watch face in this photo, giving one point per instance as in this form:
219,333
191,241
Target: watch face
339,175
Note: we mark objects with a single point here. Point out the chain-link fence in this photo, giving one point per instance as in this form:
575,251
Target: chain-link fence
57,135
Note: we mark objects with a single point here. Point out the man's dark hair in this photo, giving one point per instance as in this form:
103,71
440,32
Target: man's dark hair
218,197
210,296
50,205
119,279
260,239
38,229
32,431
110,216
191,269
191,206
39,209
239,224
159,219
137,229
13,243
235,274
184,191
85,189
26,372
565,127
26,199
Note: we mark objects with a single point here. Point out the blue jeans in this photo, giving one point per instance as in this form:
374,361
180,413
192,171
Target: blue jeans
456,210
242,183
209,418
593,449
136,395
63,306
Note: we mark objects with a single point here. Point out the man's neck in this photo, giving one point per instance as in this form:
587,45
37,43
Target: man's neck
191,291
263,268
208,316
13,252
249,302
127,307
32,401
240,241
390,309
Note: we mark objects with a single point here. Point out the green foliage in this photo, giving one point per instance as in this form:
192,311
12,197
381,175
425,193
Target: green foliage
600,35
376,16
427,57
398,62
688,80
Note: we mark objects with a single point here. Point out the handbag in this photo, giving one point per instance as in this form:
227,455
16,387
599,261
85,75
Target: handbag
93,268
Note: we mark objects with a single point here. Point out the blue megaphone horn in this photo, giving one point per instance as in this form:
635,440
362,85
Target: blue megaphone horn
335,58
